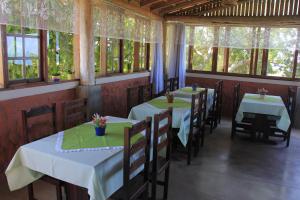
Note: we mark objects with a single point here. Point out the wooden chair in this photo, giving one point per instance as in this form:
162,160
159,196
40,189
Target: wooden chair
212,118
134,97
37,112
220,100
246,126
75,113
161,141
194,130
202,114
291,106
136,187
146,92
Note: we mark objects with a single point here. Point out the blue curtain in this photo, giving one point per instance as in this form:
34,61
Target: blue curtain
176,42
157,69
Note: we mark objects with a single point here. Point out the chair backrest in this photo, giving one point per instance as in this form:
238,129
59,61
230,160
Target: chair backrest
195,115
142,148
291,103
203,105
175,83
38,112
134,97
146,92
220,96
168,85
75,112
216,97
162,136
236,100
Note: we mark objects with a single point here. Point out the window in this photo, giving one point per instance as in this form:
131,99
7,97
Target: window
280,63
60,55
239,61
113,55
142,55
128,56
221,64
23,54
202,51
97,55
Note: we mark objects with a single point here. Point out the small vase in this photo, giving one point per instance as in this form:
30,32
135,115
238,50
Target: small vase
56,79
100,131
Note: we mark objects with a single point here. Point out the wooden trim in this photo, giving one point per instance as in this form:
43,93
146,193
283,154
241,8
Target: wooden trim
215,59
43,56
295,64
244,75
226,59
148,55
190,57
136,56
3,55
121,57
264,67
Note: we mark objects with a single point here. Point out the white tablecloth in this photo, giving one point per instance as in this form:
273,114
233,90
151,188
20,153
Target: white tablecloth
274,106
101,172
144,110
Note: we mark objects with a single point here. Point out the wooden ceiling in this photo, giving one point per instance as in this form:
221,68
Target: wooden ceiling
221,8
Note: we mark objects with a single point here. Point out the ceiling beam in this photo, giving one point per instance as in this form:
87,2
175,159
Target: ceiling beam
280,21
216,7
150,2
183,5
162,5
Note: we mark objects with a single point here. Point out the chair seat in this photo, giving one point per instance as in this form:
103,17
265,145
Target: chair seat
162,164
135,184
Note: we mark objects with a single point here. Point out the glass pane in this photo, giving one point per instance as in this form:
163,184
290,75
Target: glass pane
202,58
31,32
239,61
113,53
14,46
15,69
13,29
280,63
32,68
31,47
97,47
259,62
298,66
221,60
60,55
128,56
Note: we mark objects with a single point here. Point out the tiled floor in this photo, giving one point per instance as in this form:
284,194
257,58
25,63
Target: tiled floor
224,170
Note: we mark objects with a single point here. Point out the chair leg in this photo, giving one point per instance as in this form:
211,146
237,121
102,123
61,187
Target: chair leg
189,152
232,132
153,188
58,192
166,183
211,125
30,192
202,136
288,141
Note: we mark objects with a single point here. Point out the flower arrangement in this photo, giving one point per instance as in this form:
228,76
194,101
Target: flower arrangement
262,92
99,121
100,124
170,97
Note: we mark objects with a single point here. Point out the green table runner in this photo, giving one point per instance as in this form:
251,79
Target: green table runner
190,90
84,136
266,99
163,103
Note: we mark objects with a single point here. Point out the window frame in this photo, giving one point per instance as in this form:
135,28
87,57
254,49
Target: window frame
253,64
6,58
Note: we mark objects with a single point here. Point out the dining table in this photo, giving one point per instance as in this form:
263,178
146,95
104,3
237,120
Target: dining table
268,105
76,156
187,92
181,113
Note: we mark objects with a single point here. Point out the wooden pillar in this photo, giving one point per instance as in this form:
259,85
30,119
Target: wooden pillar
3,60
76,42
87,68
136,62
103,56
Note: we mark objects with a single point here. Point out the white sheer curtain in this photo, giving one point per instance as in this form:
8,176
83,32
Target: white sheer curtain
245,37
176,53
55,15
113,21
157,68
